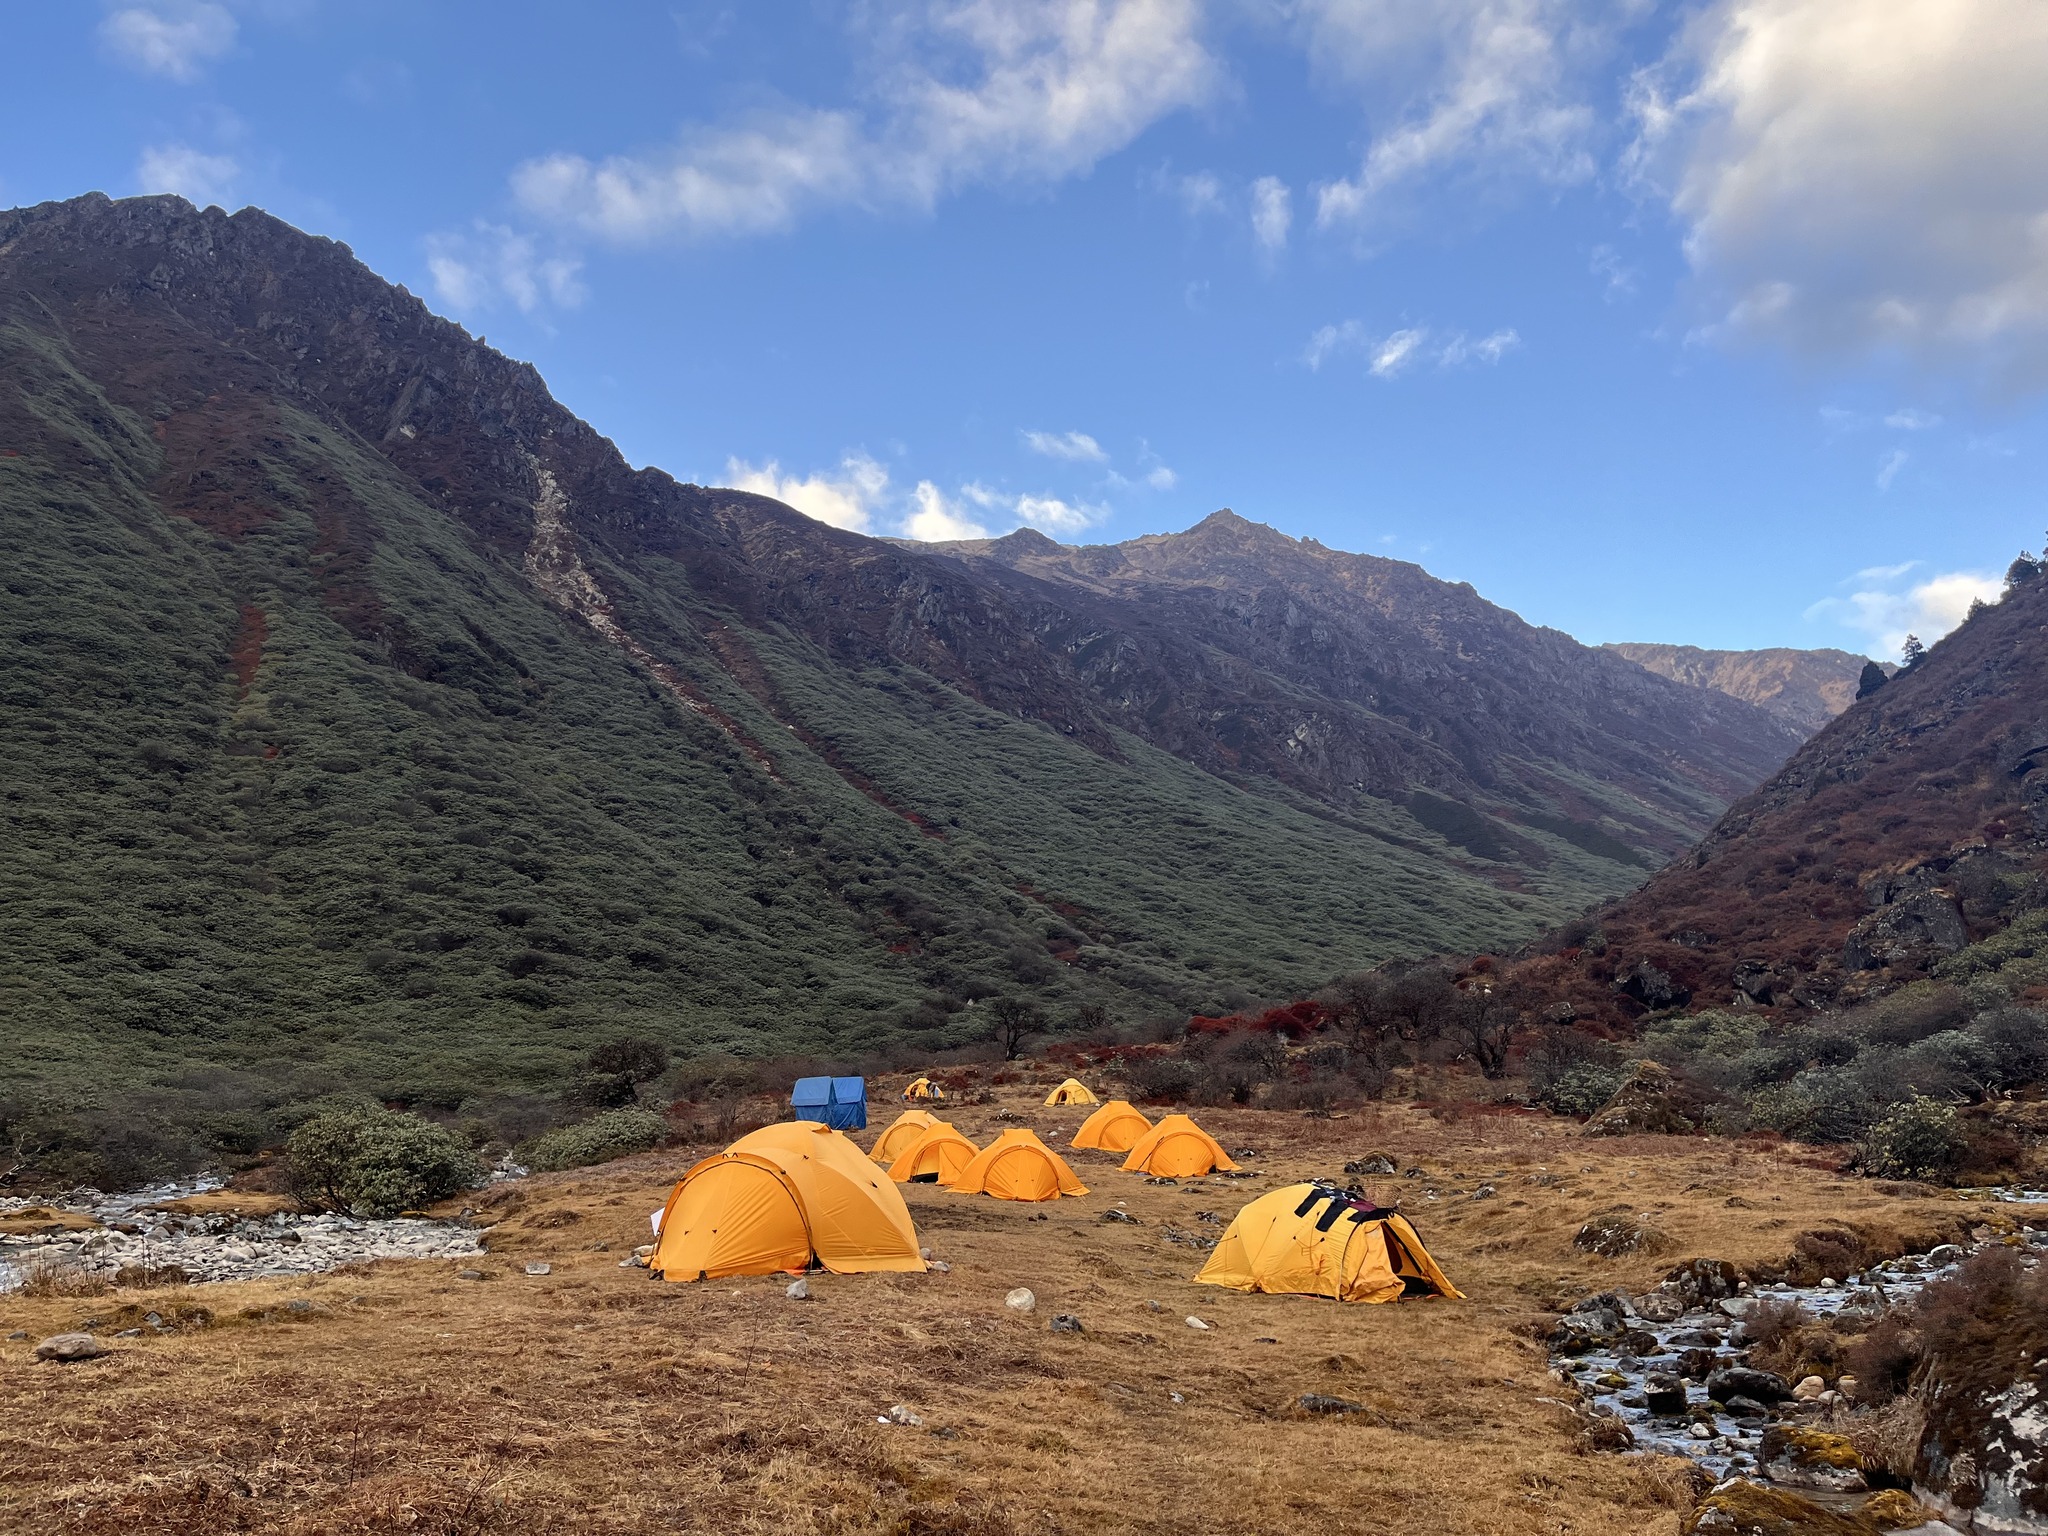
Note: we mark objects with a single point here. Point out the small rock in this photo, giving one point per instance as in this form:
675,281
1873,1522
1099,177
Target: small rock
799,1290
1660,1306
1664,1393
1175,1397
1846,1384
1315,1402
1114,1215
1155,1306
1374,1165
469,1274
902,1415
1701,1431
1020,1300
299,1305
1483,1192
1066,1322
1265,1339
1196,1322
129,1333
19,1333
540,1269
939,1267
67,1347
1809,1389
926,1254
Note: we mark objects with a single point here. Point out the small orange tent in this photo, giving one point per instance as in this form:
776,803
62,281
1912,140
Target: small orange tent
923,1088
1176,1148
1116,1127
1018,1166
783,1198
1318,1240
1071,1092
939,1155
905,1129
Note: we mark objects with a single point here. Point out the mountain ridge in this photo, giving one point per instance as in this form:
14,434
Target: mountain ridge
1808,688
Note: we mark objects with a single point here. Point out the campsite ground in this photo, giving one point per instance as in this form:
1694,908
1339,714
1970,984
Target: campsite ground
594,1399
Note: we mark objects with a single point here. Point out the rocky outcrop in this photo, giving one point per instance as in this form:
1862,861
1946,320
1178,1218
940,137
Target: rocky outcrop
1805,688
1652,1102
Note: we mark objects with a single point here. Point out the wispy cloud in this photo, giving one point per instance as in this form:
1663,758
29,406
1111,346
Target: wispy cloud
1075,447
195,176
492,264
1272,214
1908,419
1889,466
860,496
1884,613
934,519
169,39
964,92
1620,279
1393,354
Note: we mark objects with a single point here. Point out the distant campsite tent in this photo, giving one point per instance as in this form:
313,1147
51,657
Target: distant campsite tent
1071,1092
923,1088
905,1129
1317,1240
938,1156
1176,1148
1018,1166
784,1197
840,1102
1116,1127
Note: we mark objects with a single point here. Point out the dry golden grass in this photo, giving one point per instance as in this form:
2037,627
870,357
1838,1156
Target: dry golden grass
596,1400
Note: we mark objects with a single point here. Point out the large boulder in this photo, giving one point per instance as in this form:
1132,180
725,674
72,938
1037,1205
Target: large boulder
1651,987
1652,1101
1915,931
66,1348
1800,1456
1986,1450
1577,1332
1733,1381
1700,1282
1743,1508
1617,1233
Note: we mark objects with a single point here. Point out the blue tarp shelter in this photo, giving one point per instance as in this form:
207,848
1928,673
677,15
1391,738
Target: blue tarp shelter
840,1102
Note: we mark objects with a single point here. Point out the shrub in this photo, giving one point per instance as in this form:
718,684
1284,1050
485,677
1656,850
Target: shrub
1823,1105
615,1133
372,1162
1920,1139
1581,1089
1165,1080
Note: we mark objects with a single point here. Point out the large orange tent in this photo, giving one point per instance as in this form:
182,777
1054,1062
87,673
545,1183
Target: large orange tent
905,1129
784,1197
939,1155
1072,1091
1018,1166
1116,1127
1176,1148
1318,1240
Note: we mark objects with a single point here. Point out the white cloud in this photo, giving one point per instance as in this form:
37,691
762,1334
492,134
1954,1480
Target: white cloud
198,178
966,91
1076,447
1486,86
1857,177
1487,349
1929,610
1272,213
491,264
1885,572
170,39
1053,515
934,519
1889,466
1620,278
1390,355
1160,478
1396,352
1908,419
1198,193
846,500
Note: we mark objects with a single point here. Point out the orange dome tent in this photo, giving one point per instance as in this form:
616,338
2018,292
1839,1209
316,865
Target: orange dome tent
784,1197
1018,1166
1071,1092
939,1155
1317,1240
905,1129
1116,1127
923,1088
1176,1148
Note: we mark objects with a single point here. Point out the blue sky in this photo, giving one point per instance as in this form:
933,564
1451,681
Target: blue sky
1724,324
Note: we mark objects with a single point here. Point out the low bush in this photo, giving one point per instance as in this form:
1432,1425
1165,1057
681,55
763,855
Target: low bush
1581,1089
615,1133
1921,1139
372,1162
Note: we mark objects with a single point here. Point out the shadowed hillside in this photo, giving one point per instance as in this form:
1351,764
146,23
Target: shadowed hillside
371,720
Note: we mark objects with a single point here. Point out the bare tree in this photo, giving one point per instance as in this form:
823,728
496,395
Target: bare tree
1485,1021
1012,1021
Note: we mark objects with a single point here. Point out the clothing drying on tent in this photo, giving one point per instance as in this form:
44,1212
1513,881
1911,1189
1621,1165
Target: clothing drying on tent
1116,1127
1319,1240
840,1102
1018,1166
903,1130
923,1088
1071,1092
1176,1148
784,1197
938,1156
